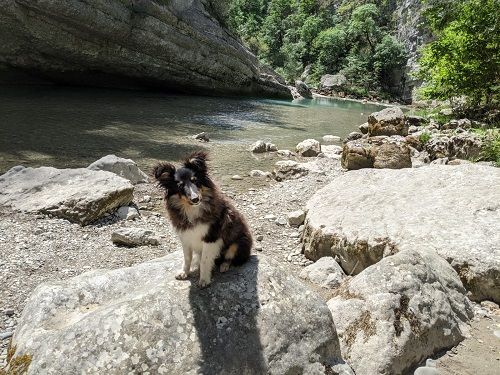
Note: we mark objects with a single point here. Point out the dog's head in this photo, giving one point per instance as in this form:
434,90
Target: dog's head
188,181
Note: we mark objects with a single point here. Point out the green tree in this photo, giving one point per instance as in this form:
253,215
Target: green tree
330,47
465,57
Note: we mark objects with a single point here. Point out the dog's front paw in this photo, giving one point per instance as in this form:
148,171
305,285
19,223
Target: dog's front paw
181,275
203,283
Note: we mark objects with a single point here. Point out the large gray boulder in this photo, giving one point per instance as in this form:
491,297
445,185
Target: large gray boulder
331,83
78,195
389,121
176,44
255,319
363,216
125,168
376,152
398,312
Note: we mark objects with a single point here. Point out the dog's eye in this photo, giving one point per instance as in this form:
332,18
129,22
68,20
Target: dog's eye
193,179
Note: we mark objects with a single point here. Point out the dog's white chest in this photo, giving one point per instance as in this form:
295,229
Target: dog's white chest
193,238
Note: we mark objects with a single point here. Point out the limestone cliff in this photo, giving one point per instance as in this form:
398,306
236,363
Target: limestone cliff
169,44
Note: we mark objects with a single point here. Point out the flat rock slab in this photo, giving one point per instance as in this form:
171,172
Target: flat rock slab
132,237
400,311
365,215
78,195
255,319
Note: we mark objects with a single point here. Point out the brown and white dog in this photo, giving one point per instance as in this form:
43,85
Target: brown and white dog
209,227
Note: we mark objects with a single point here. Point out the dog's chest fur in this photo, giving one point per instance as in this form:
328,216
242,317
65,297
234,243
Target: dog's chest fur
192,238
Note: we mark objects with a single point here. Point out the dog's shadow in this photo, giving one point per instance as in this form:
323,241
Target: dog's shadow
225,319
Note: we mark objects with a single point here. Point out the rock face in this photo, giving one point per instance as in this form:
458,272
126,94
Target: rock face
400,311
178,45
365,215
253,319
78,195
125,168
376,152
308,147
389,121
132,237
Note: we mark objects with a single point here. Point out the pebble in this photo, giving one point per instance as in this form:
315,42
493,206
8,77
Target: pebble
294,235
270,217
6,335
280,221
259,237
236,177
258,247
9,312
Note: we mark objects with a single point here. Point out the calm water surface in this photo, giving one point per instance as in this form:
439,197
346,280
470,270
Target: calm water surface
72,127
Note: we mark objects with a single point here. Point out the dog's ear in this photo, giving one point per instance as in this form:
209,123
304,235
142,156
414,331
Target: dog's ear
164,174
197,161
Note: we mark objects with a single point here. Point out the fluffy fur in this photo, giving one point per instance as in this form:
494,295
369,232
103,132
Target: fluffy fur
211,230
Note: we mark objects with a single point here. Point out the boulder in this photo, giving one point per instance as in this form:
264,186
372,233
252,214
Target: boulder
389,121
353,136
78,195
260,147
363,216
416,121
303,89
289,169
177,45
296,218
259,174
325,272
254,319
331,83
462,146
285,153
202,137
308,148
125,168
331,139
132,237
376,152
400,311
363,128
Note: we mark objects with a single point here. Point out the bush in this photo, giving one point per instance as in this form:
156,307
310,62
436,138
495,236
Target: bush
491,147
424,137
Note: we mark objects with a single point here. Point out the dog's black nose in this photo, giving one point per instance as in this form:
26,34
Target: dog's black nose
195,200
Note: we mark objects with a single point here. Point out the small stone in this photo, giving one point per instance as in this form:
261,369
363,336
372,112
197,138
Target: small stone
236,177
259,237
202,137
9,312
258,247
294,235
259,174
6,335
280,221
127,213
296,218
146,199
331,138
134,237
270,217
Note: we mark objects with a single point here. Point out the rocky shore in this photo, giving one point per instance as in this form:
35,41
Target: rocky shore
354,272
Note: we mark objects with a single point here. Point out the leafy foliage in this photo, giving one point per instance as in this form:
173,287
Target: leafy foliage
464,60
491,147
351,37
